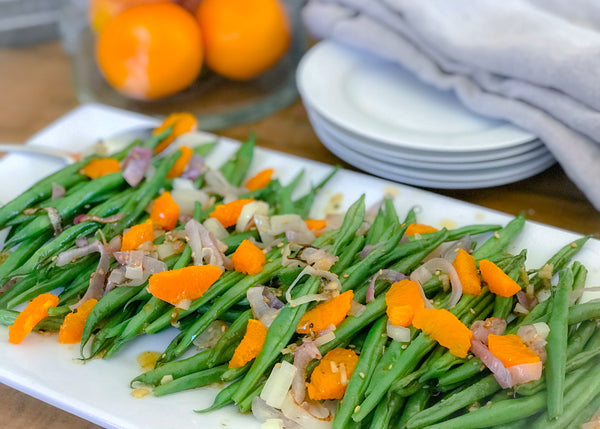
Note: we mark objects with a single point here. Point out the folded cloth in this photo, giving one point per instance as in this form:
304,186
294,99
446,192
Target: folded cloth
534,63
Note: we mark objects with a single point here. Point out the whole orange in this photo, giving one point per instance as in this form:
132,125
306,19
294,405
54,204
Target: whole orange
150,51
243,38
102,11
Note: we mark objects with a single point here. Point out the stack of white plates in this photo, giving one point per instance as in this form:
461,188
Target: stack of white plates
378,117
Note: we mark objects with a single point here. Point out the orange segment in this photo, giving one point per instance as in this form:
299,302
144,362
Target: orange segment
242,39
164,211
446,329
316,224
248,258
251,344
99,167
36,311
150,51
330,378
403,299
229,213
466,268
72,327
511,350
418,228
497,280
181,122
325,314
185,283
259,180
137,235
182,162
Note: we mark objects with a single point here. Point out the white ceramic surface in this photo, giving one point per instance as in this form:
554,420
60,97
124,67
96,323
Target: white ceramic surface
380,100
99,390
434,161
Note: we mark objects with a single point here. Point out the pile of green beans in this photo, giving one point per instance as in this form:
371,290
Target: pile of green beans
397,385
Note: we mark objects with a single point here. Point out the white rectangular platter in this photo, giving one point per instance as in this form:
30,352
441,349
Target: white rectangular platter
99,390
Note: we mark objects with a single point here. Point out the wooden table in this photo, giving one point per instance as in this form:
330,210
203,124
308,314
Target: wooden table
36,89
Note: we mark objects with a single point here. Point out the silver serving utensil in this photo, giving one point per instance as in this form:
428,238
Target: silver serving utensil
104,146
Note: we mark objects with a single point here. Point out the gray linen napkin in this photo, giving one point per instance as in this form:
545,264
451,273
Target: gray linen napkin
535,63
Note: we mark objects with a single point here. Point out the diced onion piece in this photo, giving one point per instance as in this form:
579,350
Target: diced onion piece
183,184
278,384
264,412
248,212
216,228
398,333
324,338
186,199
356,309
315,417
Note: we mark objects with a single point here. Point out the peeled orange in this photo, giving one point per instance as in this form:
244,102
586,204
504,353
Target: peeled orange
243,38
150,51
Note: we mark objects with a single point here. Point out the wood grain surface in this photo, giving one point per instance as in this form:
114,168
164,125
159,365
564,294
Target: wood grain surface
36,89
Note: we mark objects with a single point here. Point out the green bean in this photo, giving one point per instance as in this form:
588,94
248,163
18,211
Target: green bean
57,278
501,239
387,409
347,256
585,414
557,343
245,404
20,256
236,168
69,235
222,399
454,402
235,373
67,206
378,227
66,177
190,381
109,303
406,362
560,259
576,398
580,337
505,411
414,405
371,352
233,335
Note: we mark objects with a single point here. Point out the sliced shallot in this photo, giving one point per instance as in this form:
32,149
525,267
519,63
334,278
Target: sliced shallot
425,271
58,191
55,219
99,219
135,164
494,364
302,357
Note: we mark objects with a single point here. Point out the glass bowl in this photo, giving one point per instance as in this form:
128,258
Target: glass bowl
216,101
